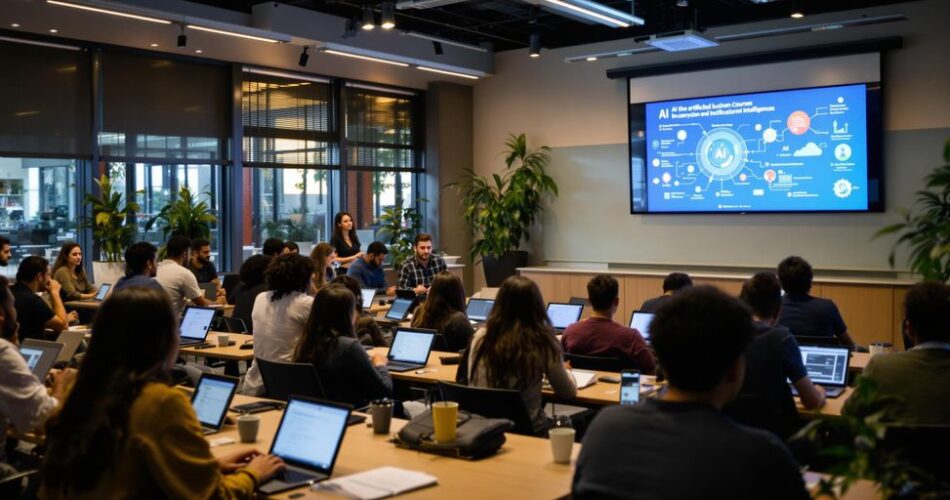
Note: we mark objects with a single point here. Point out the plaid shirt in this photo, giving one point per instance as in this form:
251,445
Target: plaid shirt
413,273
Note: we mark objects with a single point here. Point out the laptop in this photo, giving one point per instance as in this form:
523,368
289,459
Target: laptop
101,293
563,315
40,355
478,310
368,295
827,367
210,290
195,325
410,349
398,311
211,400
71,341
640,321
308,440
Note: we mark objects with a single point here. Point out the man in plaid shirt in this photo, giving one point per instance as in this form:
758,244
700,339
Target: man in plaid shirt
417,273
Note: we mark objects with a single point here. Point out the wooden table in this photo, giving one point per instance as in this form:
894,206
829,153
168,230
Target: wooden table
832,407
88,305
859,361
233,353
522,466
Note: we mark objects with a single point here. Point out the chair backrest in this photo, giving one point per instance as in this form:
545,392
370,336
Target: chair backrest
599,363
234,325
823,341
491,403
923,446
440,343
281,380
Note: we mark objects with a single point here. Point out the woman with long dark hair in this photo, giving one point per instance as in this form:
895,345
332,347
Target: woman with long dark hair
444,310
69,272
124,432
347,373
344,239
366,328
516,349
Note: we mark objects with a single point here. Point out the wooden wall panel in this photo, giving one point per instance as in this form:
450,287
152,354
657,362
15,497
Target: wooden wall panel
637,289
867,310
730,286
554,287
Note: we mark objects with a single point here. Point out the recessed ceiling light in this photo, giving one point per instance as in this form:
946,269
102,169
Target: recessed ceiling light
153,45
198,51
15,25
54,30
592,58
797,15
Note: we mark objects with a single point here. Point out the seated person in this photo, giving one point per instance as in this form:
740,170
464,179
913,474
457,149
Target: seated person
418,271
24,401
123,432
919,377
366,328
516,350
347,372
444,311
34,315
682,445
600,335
252,283
71,275
290,247
200,263
368,268
772,358
273,247
180,284
323,256
804,315
6,251
672,284
140,267
279,315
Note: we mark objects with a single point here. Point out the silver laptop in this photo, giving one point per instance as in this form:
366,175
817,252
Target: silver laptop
211,400
71,341
827,367
563,315
195,325
640,321
410,349
40,355
478,310
368,295
398,311
308,440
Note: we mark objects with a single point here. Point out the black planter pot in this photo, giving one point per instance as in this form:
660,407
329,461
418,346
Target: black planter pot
498,270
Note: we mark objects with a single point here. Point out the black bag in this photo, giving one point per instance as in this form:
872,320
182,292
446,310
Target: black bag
476,436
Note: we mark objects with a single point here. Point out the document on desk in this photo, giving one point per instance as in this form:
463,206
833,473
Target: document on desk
377,483
584,378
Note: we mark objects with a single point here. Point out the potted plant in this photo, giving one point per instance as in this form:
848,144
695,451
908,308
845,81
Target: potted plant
113,229
502,209
184,216
927,231
399,226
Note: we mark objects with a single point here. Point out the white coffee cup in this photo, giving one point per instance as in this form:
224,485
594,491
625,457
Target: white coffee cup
248,425
562,444
223,339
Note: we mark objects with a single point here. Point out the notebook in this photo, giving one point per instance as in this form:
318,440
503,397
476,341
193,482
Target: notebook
478,310
640,321
377,483
369,294
827,367
40,355
308,440
584,378
211,400
410,349
563,315
195,325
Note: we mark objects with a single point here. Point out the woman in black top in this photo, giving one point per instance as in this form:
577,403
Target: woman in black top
444,310
344,239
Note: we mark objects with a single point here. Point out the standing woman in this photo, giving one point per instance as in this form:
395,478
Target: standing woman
516,349
323,255
444,310
69,272
124,432
344,239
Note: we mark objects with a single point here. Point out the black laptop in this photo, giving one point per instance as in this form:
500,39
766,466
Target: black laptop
398,312
308,440
563,315
211,400
195,325
410,349
827,367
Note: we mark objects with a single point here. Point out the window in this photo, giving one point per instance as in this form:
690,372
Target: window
290,204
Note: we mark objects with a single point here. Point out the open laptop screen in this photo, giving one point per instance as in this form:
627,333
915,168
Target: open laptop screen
478,309
826,365
641,322
310,434
399,309
211,399
411,346
103,291
195,323
563,315
40,355
368,295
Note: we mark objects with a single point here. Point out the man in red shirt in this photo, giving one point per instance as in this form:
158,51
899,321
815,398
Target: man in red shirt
600,335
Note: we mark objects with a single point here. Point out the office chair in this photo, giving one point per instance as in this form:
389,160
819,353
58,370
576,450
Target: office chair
579,301
440,343
234,325
281,380
599,363
491,403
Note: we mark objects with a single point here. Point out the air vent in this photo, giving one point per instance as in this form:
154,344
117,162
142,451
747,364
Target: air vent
680,41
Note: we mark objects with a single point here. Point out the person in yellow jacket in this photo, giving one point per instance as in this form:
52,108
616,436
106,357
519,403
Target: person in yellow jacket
123,432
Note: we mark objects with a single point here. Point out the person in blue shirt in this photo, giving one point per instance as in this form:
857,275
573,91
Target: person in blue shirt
805,315
368,269
140,267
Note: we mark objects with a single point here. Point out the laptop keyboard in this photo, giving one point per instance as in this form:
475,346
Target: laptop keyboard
295,476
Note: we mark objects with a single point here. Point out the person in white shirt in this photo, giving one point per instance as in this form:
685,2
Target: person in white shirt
279,315
24,400
178,281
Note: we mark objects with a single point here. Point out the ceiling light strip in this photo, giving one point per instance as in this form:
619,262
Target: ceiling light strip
40,44
365,58
614,53
444,72
284,74
231,33
590,13
110,12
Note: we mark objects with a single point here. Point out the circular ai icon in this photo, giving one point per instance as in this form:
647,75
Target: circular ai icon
721,153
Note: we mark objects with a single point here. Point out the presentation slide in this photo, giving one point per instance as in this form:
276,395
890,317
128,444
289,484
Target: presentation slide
792,150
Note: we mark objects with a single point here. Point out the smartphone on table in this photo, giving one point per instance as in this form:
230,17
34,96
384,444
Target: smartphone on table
629,387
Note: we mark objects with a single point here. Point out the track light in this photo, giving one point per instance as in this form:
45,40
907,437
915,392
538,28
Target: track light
304,57
535,45
388,17
369,20
796,11
437,47
182,38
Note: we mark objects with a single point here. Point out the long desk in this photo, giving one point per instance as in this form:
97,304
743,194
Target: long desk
233,353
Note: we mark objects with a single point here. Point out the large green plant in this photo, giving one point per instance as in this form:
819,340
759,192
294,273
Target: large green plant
501,209
185,216
399,226
927,229
113,220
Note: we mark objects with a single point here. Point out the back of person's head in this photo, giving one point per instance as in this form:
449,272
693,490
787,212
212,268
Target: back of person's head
84,438
62,260
273,246
9,327
353,285
288,273
331,317
291,246
676,282
446,296
198,243
177,246
137,257
795,274
519,339
602,291
763,294
30,267
4,241
698,336
377,248
927,309
252,270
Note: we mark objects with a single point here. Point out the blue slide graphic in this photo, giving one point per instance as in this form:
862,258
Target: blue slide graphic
793,150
